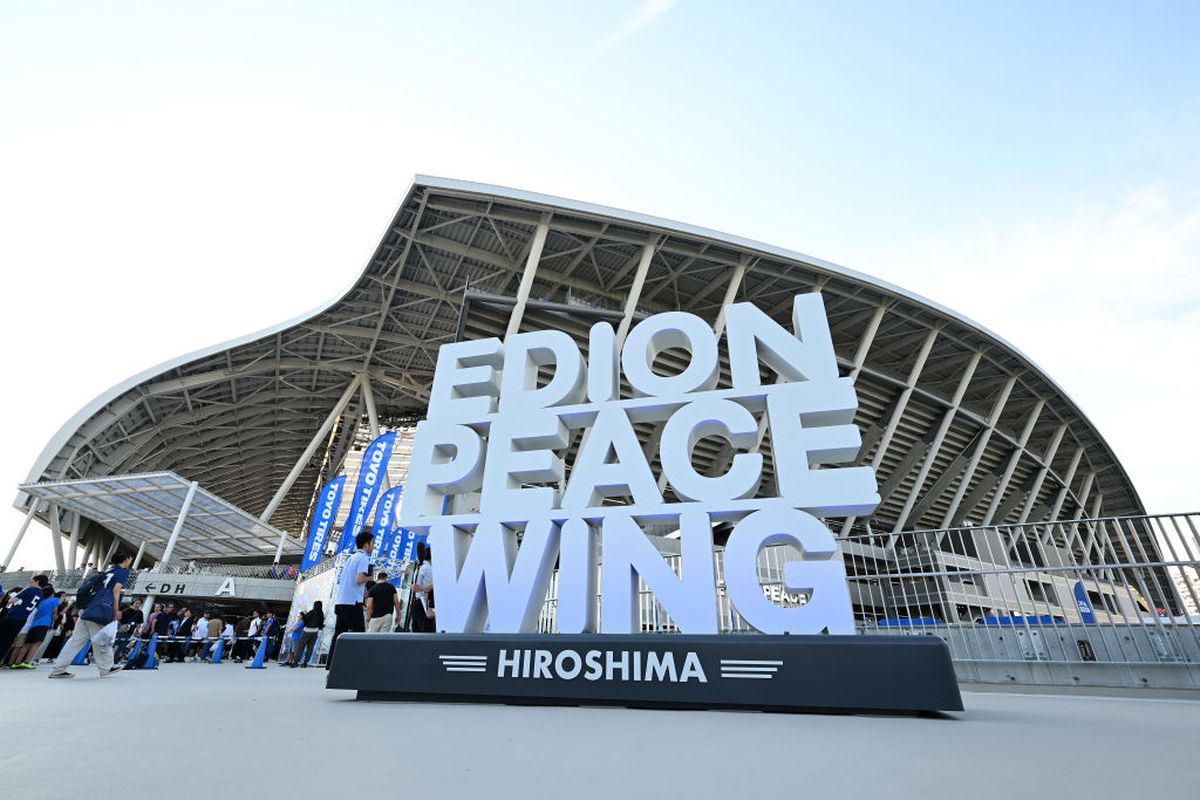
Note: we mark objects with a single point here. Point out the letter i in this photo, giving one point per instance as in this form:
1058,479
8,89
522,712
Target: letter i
602,378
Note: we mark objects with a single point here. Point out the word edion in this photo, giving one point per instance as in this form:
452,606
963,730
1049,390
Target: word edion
502,417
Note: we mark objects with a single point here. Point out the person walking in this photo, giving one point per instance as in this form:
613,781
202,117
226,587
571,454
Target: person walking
182,637
98,621
40,622
381,605
19,607
348,593
314,622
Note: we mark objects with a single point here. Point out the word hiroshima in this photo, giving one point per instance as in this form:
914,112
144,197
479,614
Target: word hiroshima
489,462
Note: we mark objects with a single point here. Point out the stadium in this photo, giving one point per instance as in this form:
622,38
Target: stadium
1002,506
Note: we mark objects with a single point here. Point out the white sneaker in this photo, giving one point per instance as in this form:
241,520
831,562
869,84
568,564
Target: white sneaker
62,675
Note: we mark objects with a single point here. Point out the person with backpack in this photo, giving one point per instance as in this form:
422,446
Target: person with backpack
99,600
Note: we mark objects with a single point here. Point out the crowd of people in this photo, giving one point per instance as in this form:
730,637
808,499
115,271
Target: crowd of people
363,603
37,623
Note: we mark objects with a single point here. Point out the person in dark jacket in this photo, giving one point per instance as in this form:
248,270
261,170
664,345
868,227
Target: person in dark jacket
314,621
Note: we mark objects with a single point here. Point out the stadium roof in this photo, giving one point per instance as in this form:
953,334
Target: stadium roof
145,508
960,426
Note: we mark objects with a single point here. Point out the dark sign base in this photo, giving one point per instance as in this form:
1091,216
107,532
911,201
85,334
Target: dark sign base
762,673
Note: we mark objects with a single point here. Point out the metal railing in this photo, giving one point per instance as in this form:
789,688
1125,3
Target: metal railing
1115,590
276,571
70,580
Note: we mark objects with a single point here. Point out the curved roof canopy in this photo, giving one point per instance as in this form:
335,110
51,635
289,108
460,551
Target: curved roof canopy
960,426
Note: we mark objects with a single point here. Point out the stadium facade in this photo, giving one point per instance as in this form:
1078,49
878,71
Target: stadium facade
961,428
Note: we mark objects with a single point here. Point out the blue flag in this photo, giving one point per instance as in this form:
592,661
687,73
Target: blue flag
370,478
323,515
385,519
1087,614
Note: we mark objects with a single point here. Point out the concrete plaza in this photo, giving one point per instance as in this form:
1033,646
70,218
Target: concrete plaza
204,731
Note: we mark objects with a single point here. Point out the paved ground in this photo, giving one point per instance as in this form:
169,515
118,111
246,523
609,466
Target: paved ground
145,733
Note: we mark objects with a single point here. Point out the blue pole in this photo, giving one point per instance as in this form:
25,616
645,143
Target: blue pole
220,648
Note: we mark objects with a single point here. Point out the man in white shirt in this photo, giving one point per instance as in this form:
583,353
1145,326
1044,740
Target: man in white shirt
348,593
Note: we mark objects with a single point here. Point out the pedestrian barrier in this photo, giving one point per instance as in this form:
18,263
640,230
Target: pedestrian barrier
137,648
259,657
81,659
152,653
217,651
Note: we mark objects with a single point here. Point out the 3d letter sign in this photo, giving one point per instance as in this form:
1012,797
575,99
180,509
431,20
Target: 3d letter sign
503,415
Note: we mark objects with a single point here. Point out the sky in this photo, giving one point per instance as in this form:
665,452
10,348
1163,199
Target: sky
175,175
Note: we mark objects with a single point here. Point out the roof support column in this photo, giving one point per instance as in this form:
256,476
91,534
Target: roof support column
1066,487
531,265
973,464
137,560
88,553
56,538
108,554
938,438
1047,459
12,551
897,412
166,556
74,551
373,426
864,346
735,283
307,455
179,522
1011,466
635,291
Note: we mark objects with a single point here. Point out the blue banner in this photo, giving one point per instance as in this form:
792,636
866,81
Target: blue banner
385,519
1086,613
370,478
323,515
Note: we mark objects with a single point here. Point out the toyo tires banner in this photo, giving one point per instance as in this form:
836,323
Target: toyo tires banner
370,478
384,526
323,515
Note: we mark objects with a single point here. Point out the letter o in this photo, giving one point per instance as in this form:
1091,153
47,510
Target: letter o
662,331
564,674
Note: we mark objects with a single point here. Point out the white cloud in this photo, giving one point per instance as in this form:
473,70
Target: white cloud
647,13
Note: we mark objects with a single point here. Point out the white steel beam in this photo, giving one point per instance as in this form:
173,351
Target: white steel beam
973,464
531,265
898,411
1011,466
309,451
74,551
1047,459
141,551
1061,498
12,551
635,291
936,445
56,537
175,531
180,521
864,345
